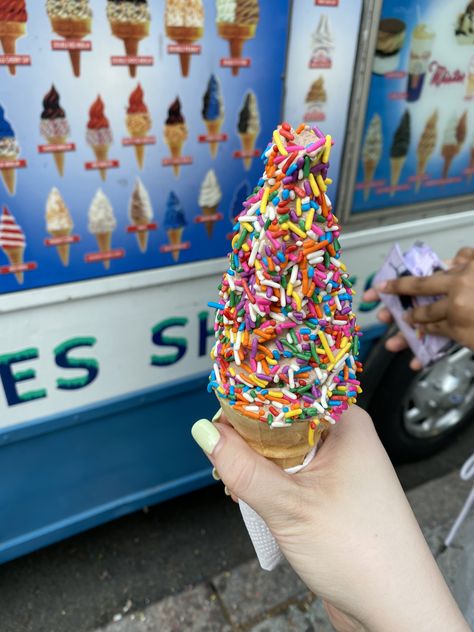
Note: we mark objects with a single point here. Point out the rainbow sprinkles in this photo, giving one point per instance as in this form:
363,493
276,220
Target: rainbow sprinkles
286,336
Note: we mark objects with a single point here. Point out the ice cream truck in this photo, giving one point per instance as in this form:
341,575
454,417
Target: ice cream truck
129,138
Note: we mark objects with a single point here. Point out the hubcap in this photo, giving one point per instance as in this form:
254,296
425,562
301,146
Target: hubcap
441,396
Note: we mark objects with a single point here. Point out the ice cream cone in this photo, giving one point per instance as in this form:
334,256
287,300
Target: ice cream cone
101,153
142,238
420,170
9,33
176,151
63,249
184,35
286,446
72,29
15,257
131,33
470,86
248,145
9,176
214,128
369,170
449,152
175,236
104,241
58,156
139,152
396,166
208,211
471,165
236,34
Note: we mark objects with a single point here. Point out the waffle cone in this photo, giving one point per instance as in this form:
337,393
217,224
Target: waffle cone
247,142
9,176
15,257
369,170
420,170
104,241
58,156
73,30
140,155
214,128
142,239
449,152
175,236
176,150
101,153
286,447
207,211
63,249
131,33
184,35
396,166
9,33
236,34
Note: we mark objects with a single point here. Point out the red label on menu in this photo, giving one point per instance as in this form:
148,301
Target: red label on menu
212,138
247,154
235,62
141,228
15,60
314,116
442,181
12,164
139,140
191,49
374,184
54,149
71,44
93,257
396,74
321,63
469,171
64,239
397,96
399,187
186,245
131,60
181,160
21,267
101,164
203,219
326,3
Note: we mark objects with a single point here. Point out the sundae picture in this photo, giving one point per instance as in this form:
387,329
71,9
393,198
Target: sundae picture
453,139
13,17
175,222
316,99
138,122
420,53
54,126
72,20
102,223
248,127
213,112
209,197
322,45
237,22
99,135
130,22
399,150
426,147
12,242
59,223
390,40
175,132
465,25
140,213
371,152
9,151
184,23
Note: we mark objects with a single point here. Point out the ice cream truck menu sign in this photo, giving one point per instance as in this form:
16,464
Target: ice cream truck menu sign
129,131
418,142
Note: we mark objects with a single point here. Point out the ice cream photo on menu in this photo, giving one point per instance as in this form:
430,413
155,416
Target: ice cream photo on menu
9,153
322,44
316,99
99,135
390,40
470,80
420,54
210,195
175,133
426,147
184,24
213,112
285,357
399,150
12,242
130,22
138,122
175,223
59,224
237,22
54,126
72,20
13,17
140,213
453,139
102,223
248,127
471,161
371,151
465,25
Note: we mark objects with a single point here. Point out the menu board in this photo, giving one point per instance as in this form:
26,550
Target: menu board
130,131
418,139
321,57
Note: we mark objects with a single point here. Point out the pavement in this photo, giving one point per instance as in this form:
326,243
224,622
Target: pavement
187,565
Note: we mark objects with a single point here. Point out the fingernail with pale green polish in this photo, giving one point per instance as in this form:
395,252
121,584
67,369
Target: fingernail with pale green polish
217,416
205,435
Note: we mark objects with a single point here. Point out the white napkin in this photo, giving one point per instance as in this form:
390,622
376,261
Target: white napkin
265,545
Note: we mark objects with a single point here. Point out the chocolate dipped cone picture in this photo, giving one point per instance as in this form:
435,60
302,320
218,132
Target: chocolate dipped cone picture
54,126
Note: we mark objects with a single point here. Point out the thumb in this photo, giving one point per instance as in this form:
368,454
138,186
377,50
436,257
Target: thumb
248,475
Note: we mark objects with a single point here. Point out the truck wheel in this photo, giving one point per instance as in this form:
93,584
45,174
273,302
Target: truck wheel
417,413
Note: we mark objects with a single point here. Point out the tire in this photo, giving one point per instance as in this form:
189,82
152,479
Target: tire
404,403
